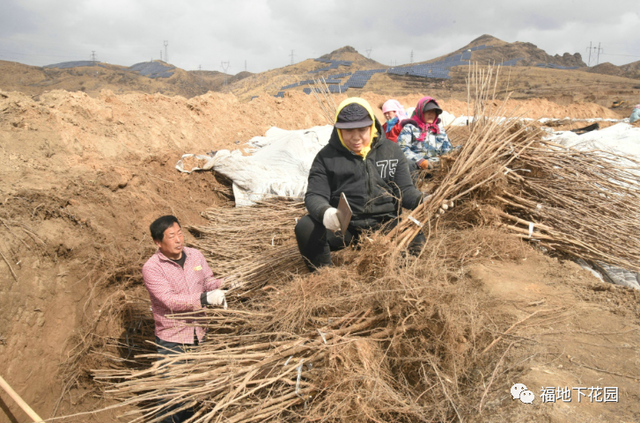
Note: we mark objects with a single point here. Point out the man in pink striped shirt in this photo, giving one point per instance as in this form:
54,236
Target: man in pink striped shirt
179,280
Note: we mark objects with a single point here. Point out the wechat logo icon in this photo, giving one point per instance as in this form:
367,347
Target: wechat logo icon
520,391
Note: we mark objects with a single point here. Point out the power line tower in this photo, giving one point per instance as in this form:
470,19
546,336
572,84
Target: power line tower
292,56
93,56
369,52
411,57
596,52
225,66
166,54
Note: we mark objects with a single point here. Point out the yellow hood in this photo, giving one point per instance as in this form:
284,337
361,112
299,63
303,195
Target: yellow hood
374,132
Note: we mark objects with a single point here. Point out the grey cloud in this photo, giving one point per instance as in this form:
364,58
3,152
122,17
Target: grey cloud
264,32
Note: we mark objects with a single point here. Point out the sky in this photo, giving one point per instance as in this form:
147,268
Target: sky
258,35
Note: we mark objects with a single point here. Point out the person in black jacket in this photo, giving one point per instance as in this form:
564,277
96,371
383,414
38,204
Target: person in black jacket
370,170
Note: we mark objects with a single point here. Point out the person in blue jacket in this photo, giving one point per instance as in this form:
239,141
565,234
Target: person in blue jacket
423,138
635,114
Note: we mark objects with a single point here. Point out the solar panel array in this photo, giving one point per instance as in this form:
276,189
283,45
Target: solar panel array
437,70
286,87
332,79
427,70
512,62
76,64
360,78
153,69
552,66
333,64
334,89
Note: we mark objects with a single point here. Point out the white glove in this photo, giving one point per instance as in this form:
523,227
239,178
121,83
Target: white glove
215,297
330,219
446,205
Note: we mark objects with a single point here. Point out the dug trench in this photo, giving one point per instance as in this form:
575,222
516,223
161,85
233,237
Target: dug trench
75,215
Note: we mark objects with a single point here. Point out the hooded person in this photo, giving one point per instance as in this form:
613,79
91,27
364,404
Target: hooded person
394,113
370,170
422,137
635,114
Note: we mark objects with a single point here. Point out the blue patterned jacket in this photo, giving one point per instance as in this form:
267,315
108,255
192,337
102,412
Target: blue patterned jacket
430,149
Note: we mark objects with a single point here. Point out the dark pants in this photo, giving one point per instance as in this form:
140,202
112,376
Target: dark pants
316,242
166,348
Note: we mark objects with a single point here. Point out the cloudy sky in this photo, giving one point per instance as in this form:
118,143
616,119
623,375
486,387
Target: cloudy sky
261,34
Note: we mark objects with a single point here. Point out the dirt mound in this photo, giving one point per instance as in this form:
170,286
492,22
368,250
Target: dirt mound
116,126
532,108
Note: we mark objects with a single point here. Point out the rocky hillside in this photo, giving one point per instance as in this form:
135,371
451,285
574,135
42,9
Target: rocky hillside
487,49
534,73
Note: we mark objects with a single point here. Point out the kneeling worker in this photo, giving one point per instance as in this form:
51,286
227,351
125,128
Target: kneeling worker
370,170
179,280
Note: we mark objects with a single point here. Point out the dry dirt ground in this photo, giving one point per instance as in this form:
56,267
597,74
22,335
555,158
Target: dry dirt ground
81,178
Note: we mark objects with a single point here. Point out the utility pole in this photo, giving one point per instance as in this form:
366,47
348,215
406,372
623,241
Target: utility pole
166,54
596,52
224,66
411,57
292,56
369,52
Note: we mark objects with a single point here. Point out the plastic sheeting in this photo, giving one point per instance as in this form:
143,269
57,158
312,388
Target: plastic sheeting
621,139
279,165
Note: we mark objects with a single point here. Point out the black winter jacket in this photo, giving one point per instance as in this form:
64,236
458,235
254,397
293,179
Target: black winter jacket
373,186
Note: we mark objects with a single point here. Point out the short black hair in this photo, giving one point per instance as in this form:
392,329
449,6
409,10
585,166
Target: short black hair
160,225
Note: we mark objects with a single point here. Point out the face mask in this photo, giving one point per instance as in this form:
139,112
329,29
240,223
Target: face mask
391,123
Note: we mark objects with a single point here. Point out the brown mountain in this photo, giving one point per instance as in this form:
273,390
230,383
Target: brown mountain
148,77
631,70
487,49
534,73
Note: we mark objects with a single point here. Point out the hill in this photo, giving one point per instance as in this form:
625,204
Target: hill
487,50
528,72
92,77
631,70
532,73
